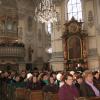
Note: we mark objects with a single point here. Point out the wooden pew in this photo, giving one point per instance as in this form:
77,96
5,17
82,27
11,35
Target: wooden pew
94,98
54,97
21,94
81,98
36,95
51,96
86,98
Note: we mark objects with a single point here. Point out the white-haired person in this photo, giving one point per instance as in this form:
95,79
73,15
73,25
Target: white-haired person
29,80
59,79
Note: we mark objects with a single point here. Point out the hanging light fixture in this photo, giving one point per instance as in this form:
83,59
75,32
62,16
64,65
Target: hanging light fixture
46,11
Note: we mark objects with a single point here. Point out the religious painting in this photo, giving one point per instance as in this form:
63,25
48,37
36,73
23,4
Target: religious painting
75,44
74,47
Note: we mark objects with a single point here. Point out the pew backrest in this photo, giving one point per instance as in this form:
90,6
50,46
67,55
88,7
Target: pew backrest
51,96
36,95
21,94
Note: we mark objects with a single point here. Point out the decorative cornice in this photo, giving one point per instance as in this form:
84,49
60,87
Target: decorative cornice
57,60
57,54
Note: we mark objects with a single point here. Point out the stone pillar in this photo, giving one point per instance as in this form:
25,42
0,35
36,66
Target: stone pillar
90,17
57,59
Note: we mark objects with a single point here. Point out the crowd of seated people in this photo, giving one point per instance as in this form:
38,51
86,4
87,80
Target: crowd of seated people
68,85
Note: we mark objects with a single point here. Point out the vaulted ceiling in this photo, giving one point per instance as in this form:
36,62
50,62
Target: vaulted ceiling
35,2
15,5
8,7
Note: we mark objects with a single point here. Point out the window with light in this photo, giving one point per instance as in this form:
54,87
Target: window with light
74,9
49,28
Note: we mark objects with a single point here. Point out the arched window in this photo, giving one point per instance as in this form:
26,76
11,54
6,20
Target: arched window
49,28
74,9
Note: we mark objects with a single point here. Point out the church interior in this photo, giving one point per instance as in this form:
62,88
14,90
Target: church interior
41,41
35,36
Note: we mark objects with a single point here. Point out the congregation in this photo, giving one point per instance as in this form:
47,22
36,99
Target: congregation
68,85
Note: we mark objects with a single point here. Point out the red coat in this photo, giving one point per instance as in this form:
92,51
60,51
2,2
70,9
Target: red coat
67,92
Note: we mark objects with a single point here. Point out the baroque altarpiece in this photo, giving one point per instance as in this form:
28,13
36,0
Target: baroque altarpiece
75,44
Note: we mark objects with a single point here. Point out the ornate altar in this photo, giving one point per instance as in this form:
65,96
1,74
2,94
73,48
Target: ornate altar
75,44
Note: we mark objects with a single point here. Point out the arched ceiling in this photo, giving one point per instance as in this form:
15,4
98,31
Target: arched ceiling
14,6
8,7
35,2
8,3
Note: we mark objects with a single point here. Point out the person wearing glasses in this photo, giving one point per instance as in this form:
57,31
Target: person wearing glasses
68,91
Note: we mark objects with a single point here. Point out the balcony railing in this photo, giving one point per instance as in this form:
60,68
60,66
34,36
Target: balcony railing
11,34
11,51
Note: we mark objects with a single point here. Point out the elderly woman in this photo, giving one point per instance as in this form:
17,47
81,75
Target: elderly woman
87,88
68,91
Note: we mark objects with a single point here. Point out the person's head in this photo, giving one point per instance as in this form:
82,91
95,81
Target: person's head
0,71
36,74
88,76
6,74
68,79
40,76
29,76
59,76
13,74
34,79
51,80
96,74
79,79
23,74
73,74
54,75
17,78
45,77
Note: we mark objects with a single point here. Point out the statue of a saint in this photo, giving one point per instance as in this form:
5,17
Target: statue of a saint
30,52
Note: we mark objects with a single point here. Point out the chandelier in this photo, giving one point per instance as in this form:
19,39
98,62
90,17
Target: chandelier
46,11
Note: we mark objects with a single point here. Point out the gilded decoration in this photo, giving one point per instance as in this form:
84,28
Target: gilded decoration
74,43
73,28
90,18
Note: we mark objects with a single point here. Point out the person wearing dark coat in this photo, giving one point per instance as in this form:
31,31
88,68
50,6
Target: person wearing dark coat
96,77
68,91
33,84
51,87
4,82
79,81
87,88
